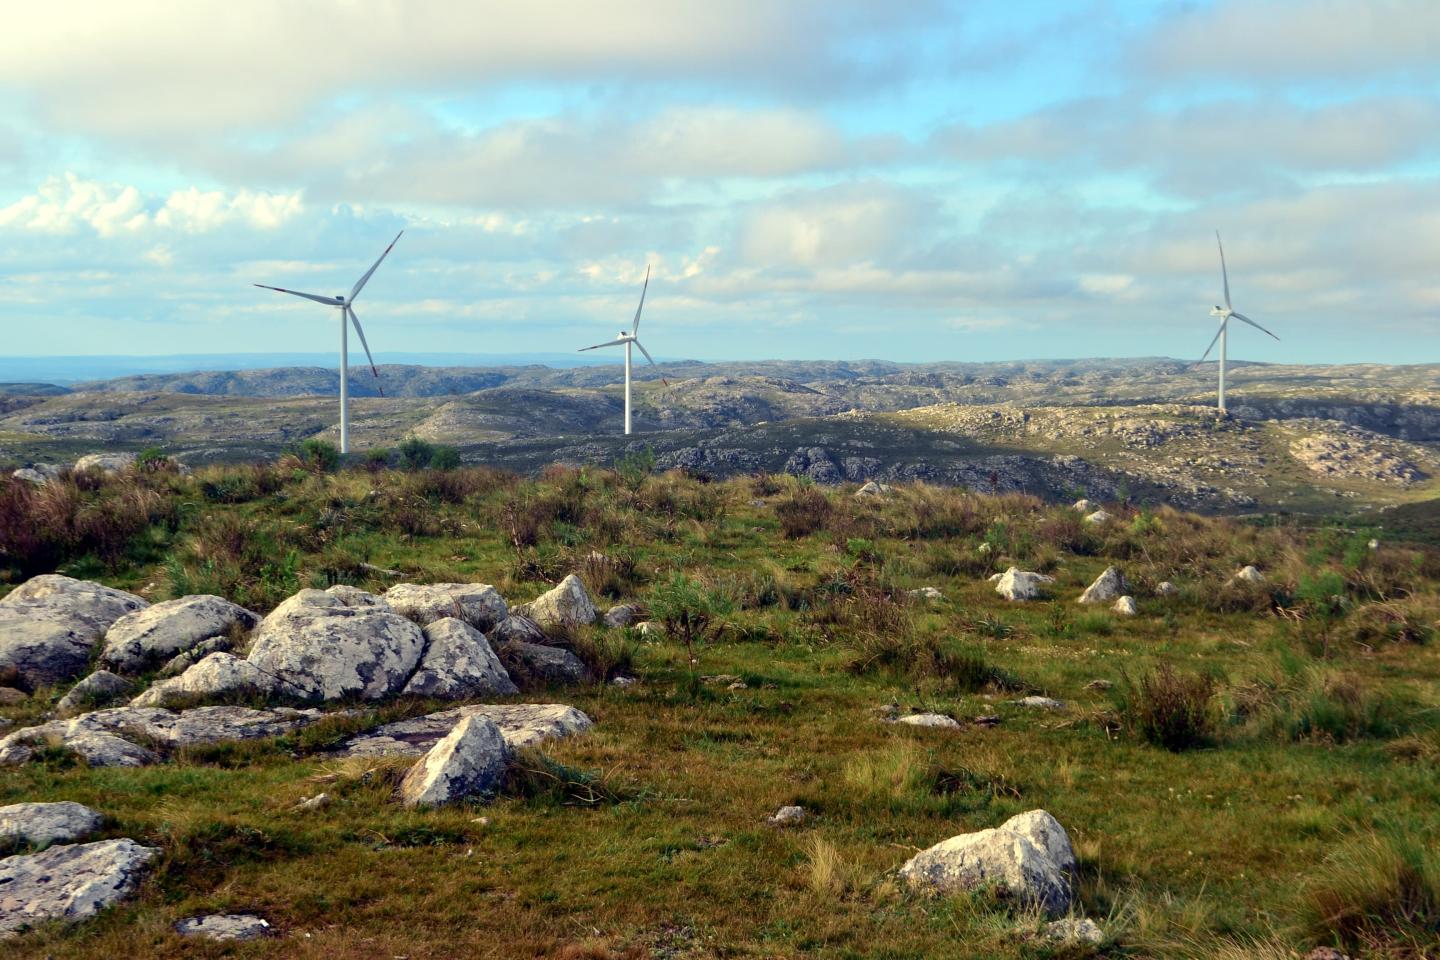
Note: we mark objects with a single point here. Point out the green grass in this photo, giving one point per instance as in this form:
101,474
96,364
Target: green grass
1316,785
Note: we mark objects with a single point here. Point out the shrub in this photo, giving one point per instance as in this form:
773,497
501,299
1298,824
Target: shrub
688,611
319,456
1167,708
802,513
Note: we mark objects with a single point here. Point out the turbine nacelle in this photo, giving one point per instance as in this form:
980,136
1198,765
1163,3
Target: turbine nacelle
1219,311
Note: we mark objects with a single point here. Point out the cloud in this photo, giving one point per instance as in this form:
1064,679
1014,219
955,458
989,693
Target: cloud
848,224
64,204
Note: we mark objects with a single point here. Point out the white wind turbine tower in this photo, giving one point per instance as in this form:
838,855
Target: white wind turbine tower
628,340
347,312
1225,313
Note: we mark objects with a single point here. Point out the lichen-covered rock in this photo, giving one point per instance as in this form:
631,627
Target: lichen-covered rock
220,675
934,720
539,663
620,615
69,882
223,926
1084,506
1017,584
521,724
478,604
106,462
1099,516
458,663
790,816
162,630
181,662
1248,574
926,593
517,629
1029,858
873,488
41,824
1166,589
50,624
1108,586
470,760
328,645
1075,930
566,605
100,689
1125,606
1041,703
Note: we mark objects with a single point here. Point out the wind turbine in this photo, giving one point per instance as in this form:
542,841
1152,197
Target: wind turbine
629,340
1225,313
347,311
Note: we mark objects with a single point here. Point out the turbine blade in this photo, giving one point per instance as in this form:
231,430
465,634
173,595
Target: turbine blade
652,361
1224,274
635,327
1213,342
329,301
356,321
360,284
1241,316
607,343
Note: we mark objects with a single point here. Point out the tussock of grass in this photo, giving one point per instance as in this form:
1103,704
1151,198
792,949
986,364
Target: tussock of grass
1379,894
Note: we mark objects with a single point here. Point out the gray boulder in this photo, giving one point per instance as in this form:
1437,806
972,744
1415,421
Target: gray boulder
938,721
220,675
1125,606
106,462
458,663
181,662
100,689
1017,584
161,631
1099,516
540,663
790,816
1248,574
1075,930
41,824
1107,587
1028,858
1166,589
69,882
521,724
50,624
331,644
566,605
108,750
517,628
620,615
223,926
470,760
31,475
478,604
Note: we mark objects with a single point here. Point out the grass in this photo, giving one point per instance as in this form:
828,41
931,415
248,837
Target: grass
1316,786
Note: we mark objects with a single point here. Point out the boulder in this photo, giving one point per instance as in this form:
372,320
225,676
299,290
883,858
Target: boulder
220,675
9,696
1166,589
100,689
108,750
50,624
1017,584
935,720
181,662
787,817
567,605
521,724
1028,858
517,629
620,615
469,761
326,645
1041,703
458,663
41,824
1084,506
69,882
1125,606
1248,574
107,462
540,663
873,489
31,475
1099,516
223,926
159,632
478,604
1106,588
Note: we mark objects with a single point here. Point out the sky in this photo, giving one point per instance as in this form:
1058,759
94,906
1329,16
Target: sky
912,180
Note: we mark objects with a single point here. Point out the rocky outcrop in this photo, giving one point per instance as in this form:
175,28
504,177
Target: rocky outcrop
567,605
161,631
469,761
458,663
521,724
41,824
218,676
50,624
69,882
1107,587
1356,455
100,689
1028,858
1017,584
326,645
105,462
478,604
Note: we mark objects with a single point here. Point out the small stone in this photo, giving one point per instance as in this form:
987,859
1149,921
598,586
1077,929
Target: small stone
934,720
470,760
1099,685
926,593
620,615
984,549
223,926
1041,703
987,720
1075,930
791,816
1099,516
1017,584
1166,589
1107,587
738,685
1125,606
624,681
873,489
313,803
650,629
1248,574
1083,506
